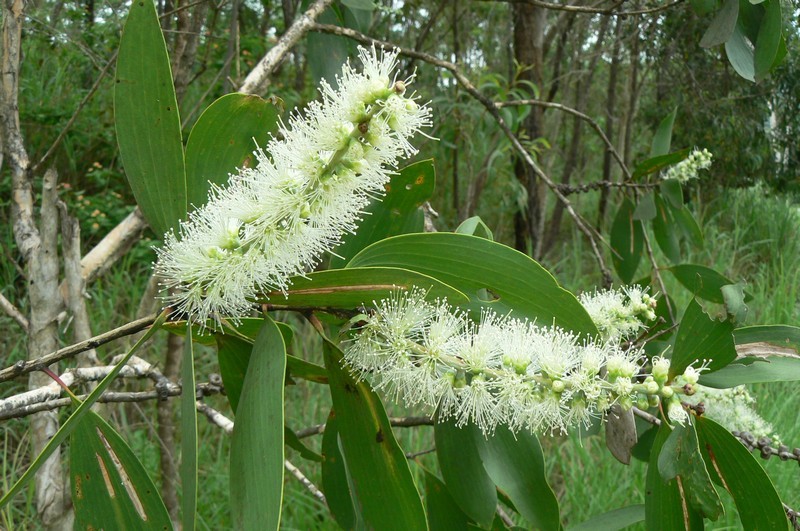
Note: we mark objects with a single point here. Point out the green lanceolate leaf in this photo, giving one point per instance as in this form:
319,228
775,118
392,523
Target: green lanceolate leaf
672,192
147,121
257,441
352,288
701,338
83,409
766,354
721,28
224,139
476,227
110,487
335,483
188,469
664,229
680,456
443,512
665,507
734,468
380,479
515,464
491,274
293,441
768,42
702,281
645,208
658,163
662,140
463,470
627,241
615,520
740,53
396,213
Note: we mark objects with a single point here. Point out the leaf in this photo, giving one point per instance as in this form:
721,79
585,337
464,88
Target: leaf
769,39
767,354
620,434
377,467
357,286
443,512
645,208
293,441
702,281
463,470
665,508
110,487
658,163
224,139
733,295
326,53
147,121
701,338
740,53
257,452
671,191
398,212
689,227
66,429
664,230
188,468
477,267
733,467
627,241
721,28
476,227
515,464
663,137
334,477
680,456
614,520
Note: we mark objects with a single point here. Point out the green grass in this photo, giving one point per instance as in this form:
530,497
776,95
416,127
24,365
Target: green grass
751,236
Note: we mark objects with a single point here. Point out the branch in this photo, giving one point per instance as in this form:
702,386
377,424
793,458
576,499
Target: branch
25,366
217,418
257,80
113,246
494,111
569,110
397,422
13,312
609,11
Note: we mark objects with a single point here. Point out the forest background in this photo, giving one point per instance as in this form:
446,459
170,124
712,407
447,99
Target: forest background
623,66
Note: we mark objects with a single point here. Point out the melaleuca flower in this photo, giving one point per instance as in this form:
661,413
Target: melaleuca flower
688,168
732,408
619,314
500,370
308,188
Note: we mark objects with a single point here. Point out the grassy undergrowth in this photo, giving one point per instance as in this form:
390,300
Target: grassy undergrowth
752,237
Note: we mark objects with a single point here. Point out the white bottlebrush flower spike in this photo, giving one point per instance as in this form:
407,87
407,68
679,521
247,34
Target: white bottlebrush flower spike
309,188
734,409
688,168
499,371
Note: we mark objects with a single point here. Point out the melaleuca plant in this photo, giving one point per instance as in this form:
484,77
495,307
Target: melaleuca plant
464,333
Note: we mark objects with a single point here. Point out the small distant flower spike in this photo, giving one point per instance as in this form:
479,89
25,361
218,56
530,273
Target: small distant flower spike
688,168
734,409
275,220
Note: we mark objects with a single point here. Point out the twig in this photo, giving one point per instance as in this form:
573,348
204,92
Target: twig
218,419
13,312
610,11
494,111
25,366
657,273
574,112
397,422
652,419
567,189
257,80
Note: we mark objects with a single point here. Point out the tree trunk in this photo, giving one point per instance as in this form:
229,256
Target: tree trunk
529,31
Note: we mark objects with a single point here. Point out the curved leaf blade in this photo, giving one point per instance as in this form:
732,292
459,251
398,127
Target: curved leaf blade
627,242
257,451
147,120
380,478
702,338
224,139
477,266
188,468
